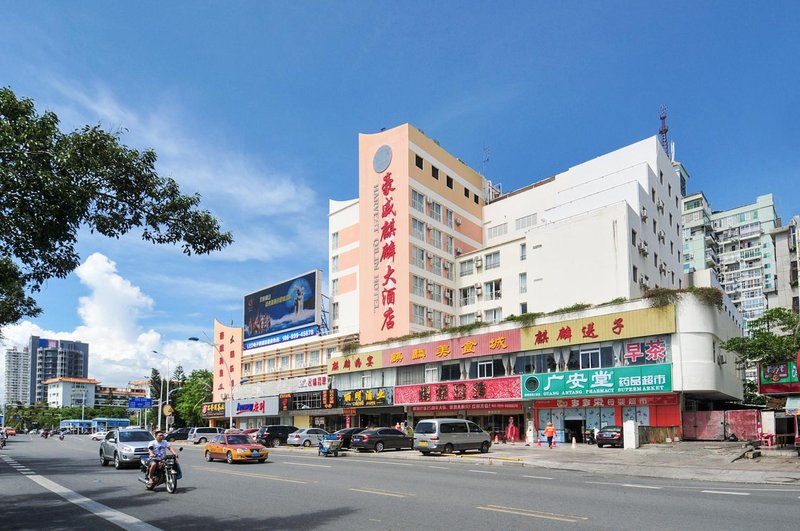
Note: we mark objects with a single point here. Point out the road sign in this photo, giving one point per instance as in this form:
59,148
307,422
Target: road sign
140,403
167,410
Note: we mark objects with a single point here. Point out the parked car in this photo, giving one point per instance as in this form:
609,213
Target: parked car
305,437
610,435
178,434
274,435
202,435
10,432
379,439
251,433
346,434
234,447
125,447
450,435
99,435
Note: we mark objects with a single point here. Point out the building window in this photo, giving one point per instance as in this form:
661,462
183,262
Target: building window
633,237
335,264
475,199
335,311
436,265
284,363
437,319
450,372
436,212
525,222
418,314
523,283
523,252
418,257
435,172
493,260
417,201
448,269
491,290
654,227
450,245
417,286
417,229
436,293
436,238
335,287
655,259
431,374
271,365
466,296
635,274
523,308
653,194
419,162
497,230
448,217
299,360
466,319
313,358
449,182
467,267
448,296
466,192
335,240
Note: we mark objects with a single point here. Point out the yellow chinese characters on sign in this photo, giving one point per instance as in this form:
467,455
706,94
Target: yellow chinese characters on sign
355,362
621,325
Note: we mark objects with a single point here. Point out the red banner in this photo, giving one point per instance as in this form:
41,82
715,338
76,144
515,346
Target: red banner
459,391
505,406
608,401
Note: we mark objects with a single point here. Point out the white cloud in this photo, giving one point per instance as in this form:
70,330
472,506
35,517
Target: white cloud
119,349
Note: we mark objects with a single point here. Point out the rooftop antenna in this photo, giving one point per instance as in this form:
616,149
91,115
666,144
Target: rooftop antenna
663,131
485,159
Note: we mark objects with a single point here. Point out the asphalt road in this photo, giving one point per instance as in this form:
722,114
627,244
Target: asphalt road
297,489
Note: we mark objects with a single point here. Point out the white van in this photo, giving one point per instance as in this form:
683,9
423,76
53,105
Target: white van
450,435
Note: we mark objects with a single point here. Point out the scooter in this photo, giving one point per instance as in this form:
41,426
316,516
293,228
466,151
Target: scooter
167,471
60,436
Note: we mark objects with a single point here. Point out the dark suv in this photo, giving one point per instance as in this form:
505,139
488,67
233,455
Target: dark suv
274,435
178,434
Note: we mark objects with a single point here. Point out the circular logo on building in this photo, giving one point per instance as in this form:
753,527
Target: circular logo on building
382,159
532,384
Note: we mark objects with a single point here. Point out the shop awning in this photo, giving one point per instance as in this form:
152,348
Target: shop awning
793,405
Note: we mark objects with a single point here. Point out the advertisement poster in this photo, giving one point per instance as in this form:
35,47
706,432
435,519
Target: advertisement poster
293,304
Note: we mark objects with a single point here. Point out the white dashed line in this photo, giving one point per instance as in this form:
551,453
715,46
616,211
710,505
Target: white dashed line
725,492
536,477
439,467
483,472
640,486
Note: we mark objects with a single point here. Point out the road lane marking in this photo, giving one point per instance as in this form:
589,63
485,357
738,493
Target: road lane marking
125,521
252,475
640,486
306,464
725,492
381,492
536,477
483,472
533,514
395,464
439,467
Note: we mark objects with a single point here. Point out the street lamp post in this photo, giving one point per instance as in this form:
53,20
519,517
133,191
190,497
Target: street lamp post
230,379
161,393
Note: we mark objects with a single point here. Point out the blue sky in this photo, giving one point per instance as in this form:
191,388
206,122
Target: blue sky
266,100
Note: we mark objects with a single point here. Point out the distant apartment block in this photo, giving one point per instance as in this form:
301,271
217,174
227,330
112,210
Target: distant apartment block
17,376
787,262
55,358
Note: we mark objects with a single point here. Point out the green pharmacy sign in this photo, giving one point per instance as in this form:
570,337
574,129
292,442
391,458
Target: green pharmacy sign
612,381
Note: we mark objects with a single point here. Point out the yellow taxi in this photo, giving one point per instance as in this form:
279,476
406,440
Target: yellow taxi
234,447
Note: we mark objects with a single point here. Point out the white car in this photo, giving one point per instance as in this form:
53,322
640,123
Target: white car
99,436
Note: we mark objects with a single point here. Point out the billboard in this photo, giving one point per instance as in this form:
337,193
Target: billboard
277,309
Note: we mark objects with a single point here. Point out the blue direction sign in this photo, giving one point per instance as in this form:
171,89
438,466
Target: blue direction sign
140,403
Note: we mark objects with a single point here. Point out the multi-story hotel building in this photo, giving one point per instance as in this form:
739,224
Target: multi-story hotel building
432,247
55,358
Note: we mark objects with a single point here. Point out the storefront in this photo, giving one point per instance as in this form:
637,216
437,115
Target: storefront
373,406
580,401
493,404
314,409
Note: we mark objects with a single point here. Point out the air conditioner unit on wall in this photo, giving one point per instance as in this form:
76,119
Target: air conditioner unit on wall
458,221
644,214
429,314
428,255
662,235
479,262
429,285
459,250
660,205
721,360
643,249
447,319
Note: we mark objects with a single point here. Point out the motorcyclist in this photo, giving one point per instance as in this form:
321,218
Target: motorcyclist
157,450
2,437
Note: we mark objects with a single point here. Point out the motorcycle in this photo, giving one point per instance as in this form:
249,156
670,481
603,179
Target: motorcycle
168,471
60,436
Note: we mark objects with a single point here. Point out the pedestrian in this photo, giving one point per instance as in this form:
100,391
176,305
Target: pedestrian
397,426
512,433
549,432
408,430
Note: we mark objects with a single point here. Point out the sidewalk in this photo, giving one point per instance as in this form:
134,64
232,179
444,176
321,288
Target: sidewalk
705,461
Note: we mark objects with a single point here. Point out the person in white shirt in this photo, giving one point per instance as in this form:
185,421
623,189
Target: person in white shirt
157,450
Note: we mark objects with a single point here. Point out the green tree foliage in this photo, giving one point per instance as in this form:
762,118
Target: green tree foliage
52,184
774,338
41,416
155,390
178,376
196,390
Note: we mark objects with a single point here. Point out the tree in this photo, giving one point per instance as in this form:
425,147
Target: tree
155,390
774,338
196,390
178,375
52,184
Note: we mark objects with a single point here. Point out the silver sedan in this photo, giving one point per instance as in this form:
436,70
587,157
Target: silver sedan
306,437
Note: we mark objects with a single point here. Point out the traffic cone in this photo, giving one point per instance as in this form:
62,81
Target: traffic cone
554,442
538,442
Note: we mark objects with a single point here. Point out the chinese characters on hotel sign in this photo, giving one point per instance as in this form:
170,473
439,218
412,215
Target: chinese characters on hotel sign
504,342
612,381
614,326
355,362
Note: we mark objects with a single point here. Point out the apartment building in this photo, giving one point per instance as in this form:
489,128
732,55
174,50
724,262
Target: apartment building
17,376
787,261
55,358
